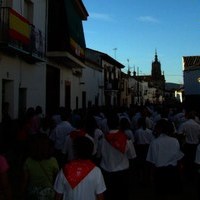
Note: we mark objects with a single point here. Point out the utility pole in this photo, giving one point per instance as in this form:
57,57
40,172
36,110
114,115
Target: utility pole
129,72
138,87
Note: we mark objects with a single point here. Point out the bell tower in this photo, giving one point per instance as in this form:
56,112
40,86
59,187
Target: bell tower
156,68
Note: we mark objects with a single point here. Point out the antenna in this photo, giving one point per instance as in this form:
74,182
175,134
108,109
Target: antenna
129,72
128,64
115,49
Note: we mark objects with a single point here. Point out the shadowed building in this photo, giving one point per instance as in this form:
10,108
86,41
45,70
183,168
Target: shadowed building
156,79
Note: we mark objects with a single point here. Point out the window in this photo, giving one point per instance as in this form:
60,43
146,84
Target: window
6,3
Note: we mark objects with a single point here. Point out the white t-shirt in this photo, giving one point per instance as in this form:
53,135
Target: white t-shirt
98,135
87,189
143,136
112,159
191,130
164,151
102,122
129,134
60,133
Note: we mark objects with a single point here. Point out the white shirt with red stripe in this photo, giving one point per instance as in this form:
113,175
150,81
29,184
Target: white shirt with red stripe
112,158
87,189
68,145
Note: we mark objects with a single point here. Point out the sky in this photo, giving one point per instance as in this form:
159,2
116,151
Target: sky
131,31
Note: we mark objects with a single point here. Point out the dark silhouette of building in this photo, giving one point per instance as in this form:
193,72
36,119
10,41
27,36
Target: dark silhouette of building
156,79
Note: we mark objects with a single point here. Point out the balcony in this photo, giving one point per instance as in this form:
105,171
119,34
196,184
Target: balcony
72,55
19,37
112,85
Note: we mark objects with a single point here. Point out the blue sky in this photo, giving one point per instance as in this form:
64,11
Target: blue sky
135,28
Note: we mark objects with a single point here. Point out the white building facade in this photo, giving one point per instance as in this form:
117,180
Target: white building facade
22,66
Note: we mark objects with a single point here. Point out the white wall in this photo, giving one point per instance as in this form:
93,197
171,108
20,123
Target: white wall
23,75
76,89
39,19
92,79
39,9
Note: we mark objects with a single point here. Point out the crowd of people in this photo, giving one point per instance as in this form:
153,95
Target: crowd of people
93,154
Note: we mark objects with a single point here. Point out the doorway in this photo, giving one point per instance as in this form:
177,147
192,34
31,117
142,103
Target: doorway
8,95
52,89
22,104
68,94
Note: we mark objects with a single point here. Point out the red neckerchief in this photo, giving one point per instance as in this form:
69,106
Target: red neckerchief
117,140
76,170
77,133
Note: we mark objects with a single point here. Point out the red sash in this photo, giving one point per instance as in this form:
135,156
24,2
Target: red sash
118,140
77,133
77,170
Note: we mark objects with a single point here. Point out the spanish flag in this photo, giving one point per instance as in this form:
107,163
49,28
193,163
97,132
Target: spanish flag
19,27
76,48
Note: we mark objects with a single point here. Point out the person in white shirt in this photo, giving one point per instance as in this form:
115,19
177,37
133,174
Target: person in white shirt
190,130
67,150
164,154
80,179
116,150
147,113
84,127
179,117
60,132
92,129
143,137
100,118
125,125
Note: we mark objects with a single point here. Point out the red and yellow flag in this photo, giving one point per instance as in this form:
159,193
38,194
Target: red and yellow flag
19,27
76,48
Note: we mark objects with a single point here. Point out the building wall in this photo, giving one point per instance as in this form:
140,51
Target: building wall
192,81
76,91
39,12
88,82
93,79
192,88
124,91
93,76
23,83
16,74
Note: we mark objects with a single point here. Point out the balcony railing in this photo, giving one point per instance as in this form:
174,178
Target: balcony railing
19,35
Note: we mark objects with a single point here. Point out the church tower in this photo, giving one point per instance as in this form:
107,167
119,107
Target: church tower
157,78
156,68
